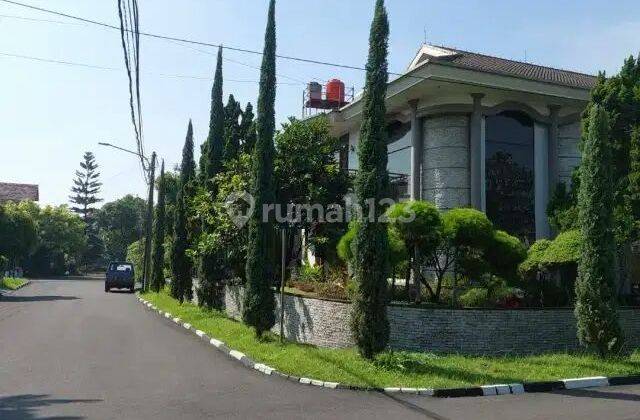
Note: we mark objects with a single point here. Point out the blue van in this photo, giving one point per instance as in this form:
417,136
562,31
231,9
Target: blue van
120,275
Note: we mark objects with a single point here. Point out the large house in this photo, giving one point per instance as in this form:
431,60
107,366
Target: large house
467,129
18,192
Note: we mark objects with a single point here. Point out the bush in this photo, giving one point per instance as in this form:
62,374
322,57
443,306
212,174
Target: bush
310,273
504,254
476,297
467,227
564,249
397,249
418,223
535,255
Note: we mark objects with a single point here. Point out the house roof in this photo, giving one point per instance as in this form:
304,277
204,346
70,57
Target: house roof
18,192
489,64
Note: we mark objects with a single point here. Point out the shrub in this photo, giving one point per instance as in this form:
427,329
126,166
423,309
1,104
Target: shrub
345,252
535,255
504,254
397,249
476,297
467,227
564,249
418,223
310,273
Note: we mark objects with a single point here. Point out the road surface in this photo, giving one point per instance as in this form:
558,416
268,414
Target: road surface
70,351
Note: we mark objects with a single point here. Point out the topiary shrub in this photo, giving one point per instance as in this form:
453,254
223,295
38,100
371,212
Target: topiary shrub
476,297
535,254
564,249
504,254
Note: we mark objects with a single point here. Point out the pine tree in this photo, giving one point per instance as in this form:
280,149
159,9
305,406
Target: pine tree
85,189
232,133
248,129
213,147
595,308
370,326
634,182
259,302
157,274
181,265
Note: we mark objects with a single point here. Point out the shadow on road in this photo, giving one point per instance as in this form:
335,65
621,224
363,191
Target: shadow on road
607,395
12,298
24,407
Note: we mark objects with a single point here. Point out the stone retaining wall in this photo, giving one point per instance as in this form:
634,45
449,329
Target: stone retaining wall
471,331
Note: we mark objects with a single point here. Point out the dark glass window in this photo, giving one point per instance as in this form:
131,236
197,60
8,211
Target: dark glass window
509,164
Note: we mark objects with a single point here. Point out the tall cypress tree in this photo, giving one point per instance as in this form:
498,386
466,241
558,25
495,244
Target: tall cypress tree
181,265
248,129
259,303
595,309
157,273
213,147
232,112
369,324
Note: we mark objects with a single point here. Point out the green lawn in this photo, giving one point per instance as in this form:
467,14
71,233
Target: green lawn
11,283
420,370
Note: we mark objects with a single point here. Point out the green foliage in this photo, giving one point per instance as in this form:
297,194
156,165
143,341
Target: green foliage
595,310
247,130
467,227
213,148
402,361
44,241
232,131
159,233
397,248
369,324
418,223
18,232
120,223
564,249
562,210
310,273
476,297
135,255
633,197
259,302
504,254
535,256
181,265
306,172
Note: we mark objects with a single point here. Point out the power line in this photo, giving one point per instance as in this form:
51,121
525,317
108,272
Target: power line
39,20
189,41
99,67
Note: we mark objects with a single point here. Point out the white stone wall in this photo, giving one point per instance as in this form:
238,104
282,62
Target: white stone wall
568,153
445,168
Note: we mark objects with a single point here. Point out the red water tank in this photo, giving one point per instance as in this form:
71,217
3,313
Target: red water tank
335,91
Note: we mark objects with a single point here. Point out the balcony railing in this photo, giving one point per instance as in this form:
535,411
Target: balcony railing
399,185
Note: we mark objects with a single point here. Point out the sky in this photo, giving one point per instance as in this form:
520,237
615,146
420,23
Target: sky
50,114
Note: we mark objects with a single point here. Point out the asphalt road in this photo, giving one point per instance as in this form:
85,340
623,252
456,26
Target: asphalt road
70,351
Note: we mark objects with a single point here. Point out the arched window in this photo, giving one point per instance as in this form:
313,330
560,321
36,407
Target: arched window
510,194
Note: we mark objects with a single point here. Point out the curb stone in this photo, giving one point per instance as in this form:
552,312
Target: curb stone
9,292
478,391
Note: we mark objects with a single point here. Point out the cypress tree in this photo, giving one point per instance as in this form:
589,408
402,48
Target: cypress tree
369,322
595,308
212,149
259,302
157,273
248,129
232,112
181,266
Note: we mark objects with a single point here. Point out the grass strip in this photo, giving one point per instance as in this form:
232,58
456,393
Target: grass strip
392,369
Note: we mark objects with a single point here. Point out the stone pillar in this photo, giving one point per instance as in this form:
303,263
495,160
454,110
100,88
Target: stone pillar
416,152
475,151
554,178
541,179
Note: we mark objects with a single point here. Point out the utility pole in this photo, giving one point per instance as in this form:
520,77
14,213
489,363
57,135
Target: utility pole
283,280
146,269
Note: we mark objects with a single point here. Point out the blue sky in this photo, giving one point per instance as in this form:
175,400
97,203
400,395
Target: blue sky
50,114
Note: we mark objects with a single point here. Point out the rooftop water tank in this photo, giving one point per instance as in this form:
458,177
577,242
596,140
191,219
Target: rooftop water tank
335,92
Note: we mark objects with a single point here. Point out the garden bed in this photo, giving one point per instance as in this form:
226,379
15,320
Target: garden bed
403,369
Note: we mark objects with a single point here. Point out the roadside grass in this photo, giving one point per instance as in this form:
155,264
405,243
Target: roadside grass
11,283
392,369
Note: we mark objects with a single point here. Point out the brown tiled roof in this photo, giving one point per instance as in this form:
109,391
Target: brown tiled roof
18,192
489,64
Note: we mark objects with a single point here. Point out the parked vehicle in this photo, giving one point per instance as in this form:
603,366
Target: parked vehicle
120,275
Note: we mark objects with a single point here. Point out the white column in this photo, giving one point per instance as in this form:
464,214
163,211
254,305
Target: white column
541,176
416,152
554,111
